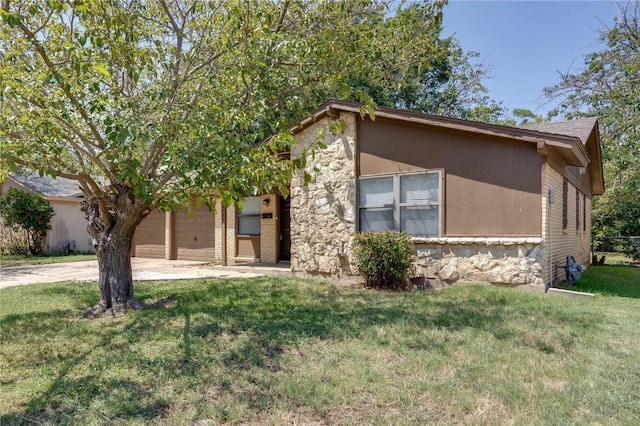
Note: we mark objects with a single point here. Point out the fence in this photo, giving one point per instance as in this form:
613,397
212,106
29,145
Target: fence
13,240
624,246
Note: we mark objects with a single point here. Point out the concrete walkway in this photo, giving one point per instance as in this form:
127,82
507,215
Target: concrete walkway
143,270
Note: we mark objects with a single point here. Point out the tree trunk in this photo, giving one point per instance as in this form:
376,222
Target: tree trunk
112,223
115,275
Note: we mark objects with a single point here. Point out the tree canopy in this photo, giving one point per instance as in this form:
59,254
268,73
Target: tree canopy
170,97
608,88
148,103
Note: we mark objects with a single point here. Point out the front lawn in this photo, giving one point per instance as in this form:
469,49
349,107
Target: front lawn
291,351
7,260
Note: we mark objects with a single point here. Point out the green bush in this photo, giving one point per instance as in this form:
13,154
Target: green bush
385,259
31,212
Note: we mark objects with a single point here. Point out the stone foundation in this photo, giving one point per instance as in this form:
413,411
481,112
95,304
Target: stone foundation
505,261
440,262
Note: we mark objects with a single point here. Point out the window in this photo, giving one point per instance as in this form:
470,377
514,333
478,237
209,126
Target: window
565,205
584,212
248,219
577,210
407,202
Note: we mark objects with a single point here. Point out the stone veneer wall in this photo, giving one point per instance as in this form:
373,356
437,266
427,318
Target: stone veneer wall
323,211
509,261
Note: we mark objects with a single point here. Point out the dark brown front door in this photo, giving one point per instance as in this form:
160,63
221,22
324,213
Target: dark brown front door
285,229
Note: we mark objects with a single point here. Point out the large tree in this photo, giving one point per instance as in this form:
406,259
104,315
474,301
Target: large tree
608,88
450,84
148,103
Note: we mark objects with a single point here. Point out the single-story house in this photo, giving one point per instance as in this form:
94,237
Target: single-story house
481,202
68,225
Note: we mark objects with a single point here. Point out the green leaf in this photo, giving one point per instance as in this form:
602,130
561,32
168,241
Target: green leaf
307,178
338,127
101,69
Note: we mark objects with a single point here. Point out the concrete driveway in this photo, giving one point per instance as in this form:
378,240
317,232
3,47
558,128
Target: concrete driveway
143,270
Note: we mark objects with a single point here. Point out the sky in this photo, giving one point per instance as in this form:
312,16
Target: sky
527,43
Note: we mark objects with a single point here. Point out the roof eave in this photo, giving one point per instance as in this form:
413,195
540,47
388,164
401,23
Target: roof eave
569,148
69,199
23,186
597,172
578,154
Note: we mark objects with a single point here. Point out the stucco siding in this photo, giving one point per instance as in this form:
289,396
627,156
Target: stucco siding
4,187
68,224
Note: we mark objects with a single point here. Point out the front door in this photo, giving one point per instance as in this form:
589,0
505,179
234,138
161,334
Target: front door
285,228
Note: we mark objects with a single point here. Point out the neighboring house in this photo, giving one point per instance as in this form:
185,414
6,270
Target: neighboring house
68,225
474,197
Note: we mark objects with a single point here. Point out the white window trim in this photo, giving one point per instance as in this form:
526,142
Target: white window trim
396,205
239,215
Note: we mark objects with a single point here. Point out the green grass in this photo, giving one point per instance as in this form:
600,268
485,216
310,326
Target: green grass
7,260
290,351
622,281
614,258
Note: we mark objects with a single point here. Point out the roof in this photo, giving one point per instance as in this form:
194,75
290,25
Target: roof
581,128
569,147
568,139
587,130
48,186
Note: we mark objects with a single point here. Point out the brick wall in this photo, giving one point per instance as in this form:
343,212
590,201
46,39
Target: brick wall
218,233
563,242
269,229
231,234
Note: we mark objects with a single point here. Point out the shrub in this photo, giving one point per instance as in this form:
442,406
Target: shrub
385,259
29,211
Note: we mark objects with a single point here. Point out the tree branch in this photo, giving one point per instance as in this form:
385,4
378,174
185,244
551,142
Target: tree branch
283,13
88,151
66,90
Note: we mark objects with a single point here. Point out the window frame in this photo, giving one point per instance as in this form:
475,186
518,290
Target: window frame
577,209
584,213
397,205
240,215
565,204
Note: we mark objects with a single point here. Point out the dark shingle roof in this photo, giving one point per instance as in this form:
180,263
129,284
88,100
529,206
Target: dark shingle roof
579,128
50,187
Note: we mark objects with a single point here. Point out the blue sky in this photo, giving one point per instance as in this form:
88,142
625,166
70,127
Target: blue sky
526,43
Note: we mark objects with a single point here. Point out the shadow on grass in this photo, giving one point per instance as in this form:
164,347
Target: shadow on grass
68,395
240,329
620,281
